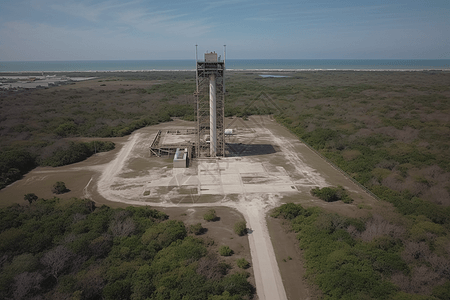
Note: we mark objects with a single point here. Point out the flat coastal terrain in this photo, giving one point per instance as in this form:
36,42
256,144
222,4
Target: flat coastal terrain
382,129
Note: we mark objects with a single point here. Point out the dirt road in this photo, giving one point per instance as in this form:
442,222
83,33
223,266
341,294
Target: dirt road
269,284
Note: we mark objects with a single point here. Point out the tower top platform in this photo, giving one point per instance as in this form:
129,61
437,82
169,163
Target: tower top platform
211,57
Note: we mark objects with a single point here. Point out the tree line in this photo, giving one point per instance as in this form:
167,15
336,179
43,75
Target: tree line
74,249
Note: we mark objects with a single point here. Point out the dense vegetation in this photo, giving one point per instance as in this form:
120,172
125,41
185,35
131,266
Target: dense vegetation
74,152
371,258
14,162
74,250
35,125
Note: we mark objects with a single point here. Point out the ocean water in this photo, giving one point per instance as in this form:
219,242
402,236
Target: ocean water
231,64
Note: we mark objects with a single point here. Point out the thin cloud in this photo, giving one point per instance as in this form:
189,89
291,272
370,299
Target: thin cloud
261,19
165,22
78,10
217,4
90,12
135,18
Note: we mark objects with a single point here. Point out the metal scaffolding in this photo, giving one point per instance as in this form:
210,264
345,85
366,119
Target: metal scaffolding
210,106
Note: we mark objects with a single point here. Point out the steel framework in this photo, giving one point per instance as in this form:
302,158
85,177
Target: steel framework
210,100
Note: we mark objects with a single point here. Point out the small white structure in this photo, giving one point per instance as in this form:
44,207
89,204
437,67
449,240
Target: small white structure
211,57
180,159
229,131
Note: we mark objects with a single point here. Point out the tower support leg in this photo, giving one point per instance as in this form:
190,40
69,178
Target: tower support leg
212,116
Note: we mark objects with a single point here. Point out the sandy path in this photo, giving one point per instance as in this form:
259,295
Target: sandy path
112,169
269,284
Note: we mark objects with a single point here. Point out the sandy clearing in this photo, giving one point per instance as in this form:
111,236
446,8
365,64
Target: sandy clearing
112,169
295,158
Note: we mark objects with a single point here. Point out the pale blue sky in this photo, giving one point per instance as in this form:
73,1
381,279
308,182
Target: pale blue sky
140,29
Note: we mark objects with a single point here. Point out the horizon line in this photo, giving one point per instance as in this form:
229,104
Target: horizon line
193,59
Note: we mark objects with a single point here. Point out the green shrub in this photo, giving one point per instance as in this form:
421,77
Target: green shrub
30,197
407,296
330,194
196,229
163,234
59,188
210,216
442,292
242,263
237,284
288,211
120,289
11,239
66,129
240,228
320,137
327,194
225,296
225,251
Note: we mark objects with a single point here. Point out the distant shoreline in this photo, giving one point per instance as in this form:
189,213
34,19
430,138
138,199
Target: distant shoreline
234,70
232,65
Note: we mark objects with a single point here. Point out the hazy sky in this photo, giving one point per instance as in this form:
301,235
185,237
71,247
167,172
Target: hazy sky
140,29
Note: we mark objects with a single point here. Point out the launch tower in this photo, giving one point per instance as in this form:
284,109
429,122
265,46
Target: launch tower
210,106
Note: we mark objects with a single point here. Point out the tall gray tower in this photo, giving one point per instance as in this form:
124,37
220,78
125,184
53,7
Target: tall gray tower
210,106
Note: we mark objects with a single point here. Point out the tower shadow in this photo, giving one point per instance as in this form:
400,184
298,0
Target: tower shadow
239,149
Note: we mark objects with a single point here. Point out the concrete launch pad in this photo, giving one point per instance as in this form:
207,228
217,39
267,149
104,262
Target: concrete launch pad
258,162
222,177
